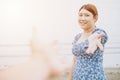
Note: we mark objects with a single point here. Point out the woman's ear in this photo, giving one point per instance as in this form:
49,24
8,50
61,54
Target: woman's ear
95,18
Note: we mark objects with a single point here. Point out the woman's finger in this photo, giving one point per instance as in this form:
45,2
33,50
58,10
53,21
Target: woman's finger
100,35
100,45
91,49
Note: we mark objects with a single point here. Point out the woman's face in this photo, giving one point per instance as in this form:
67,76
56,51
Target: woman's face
86,19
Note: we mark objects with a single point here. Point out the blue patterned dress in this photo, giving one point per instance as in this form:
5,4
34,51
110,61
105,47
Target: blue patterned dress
88,66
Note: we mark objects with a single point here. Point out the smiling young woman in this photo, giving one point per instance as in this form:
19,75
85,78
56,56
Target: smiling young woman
88,47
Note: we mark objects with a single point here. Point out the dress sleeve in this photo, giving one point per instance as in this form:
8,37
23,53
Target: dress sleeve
76,38
104,38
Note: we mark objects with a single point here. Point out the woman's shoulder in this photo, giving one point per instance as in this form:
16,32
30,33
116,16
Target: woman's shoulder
99,30
105,37
77,36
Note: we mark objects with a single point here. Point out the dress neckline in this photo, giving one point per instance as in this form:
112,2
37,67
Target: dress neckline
85,39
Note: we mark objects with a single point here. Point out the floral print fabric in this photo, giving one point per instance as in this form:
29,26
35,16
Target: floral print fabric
88,66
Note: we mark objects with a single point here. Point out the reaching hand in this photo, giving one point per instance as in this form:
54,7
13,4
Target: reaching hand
94,42
47,53
43,64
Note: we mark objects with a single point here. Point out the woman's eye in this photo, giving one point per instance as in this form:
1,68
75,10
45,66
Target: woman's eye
87,15
80,15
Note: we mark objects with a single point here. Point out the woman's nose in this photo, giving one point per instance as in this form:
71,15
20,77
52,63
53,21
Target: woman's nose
82,17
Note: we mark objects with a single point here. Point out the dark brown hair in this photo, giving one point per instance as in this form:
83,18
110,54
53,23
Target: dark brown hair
91,8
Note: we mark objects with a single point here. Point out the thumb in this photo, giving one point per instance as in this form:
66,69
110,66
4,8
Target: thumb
100,45
101,35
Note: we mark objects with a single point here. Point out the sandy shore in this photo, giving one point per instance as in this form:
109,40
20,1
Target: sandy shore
111,73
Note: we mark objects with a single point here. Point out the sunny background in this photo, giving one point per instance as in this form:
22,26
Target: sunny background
56,20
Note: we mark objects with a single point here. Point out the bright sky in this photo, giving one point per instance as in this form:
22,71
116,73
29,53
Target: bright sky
56,19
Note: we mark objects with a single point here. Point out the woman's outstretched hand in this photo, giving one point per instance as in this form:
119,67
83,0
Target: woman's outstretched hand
94,42
43,64
47,52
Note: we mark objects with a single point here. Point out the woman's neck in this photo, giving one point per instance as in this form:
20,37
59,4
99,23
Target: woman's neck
89,30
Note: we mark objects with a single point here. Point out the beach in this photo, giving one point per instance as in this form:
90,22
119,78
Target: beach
111,73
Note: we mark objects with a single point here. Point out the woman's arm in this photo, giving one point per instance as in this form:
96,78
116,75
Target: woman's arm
97,40
43,63
72,69
94,42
